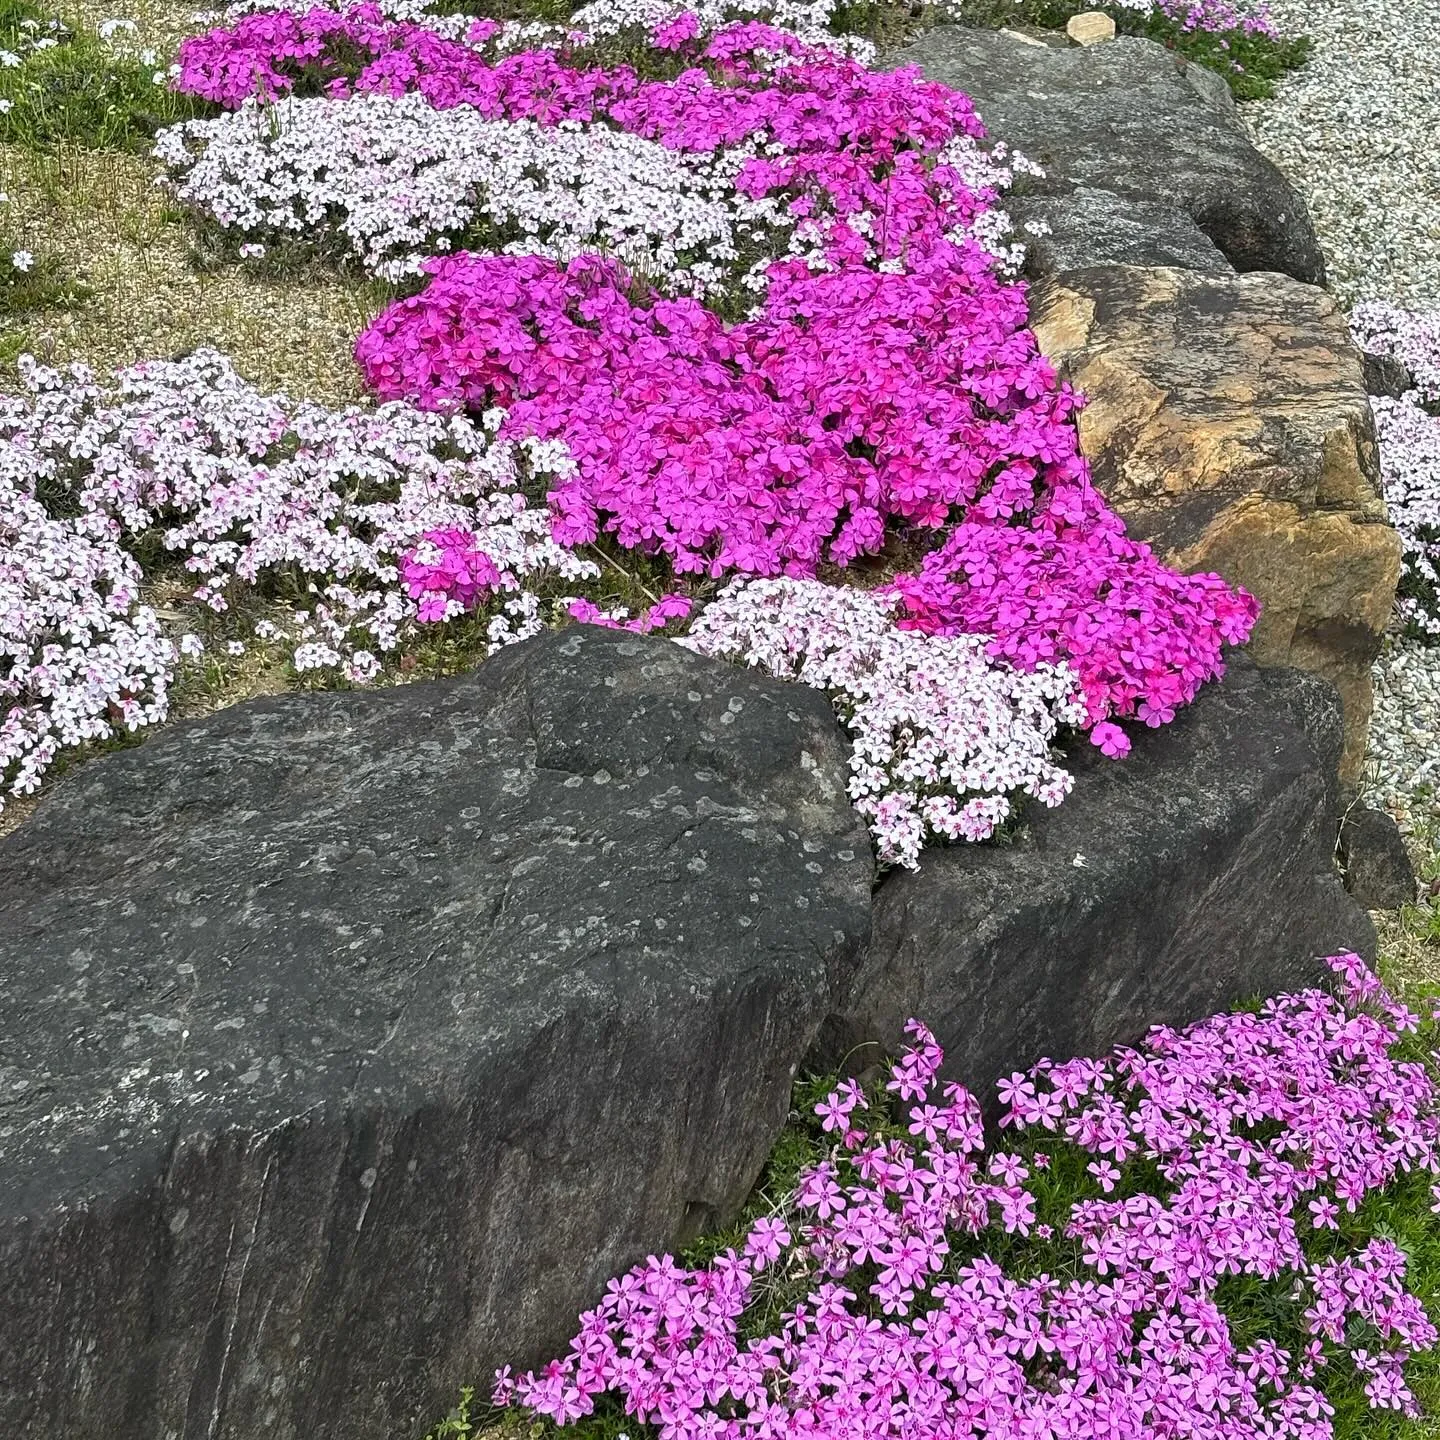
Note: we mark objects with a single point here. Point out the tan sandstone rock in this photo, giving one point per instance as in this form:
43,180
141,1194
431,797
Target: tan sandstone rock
1090,28
1227,422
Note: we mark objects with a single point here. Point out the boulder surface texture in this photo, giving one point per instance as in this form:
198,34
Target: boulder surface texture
1196,873
349,1043
1137,122
1226,421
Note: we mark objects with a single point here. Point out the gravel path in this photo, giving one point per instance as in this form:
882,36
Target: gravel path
1356,131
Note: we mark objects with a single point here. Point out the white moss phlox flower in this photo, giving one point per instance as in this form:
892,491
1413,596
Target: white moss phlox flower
243,487
393,186
942,737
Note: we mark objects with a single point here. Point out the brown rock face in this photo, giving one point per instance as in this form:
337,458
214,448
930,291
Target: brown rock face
1227,422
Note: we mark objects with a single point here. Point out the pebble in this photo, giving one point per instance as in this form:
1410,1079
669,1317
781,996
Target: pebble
1090,28
1355,131
1403,762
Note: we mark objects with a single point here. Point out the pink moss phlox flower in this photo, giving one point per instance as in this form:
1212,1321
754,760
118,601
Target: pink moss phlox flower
655,617
1113,1322
449,569
239,487
1073,587
885,379
942,737
765,446
320,51
1408,429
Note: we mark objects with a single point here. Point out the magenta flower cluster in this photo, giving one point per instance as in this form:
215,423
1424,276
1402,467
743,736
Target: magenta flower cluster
448,570
1233,1149
320,51
1072,586
766,446
891,381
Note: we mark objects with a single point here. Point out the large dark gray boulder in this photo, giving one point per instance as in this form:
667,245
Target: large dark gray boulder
349,1043
1129,118
1193,874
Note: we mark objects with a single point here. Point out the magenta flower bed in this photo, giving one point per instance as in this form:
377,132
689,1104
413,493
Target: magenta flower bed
1092,1279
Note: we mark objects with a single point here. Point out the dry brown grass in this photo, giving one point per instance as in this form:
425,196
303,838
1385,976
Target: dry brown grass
101,215
160,24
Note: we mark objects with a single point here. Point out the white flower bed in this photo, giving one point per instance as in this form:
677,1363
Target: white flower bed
396,181
254,492
942,736
1410,466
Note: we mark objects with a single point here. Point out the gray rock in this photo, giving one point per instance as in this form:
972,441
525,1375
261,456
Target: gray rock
1095,227
1374,860
1210,85
1194,873
349,1043
1385,375
1130,118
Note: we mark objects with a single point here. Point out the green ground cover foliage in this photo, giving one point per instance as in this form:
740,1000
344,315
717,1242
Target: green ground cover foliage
63,84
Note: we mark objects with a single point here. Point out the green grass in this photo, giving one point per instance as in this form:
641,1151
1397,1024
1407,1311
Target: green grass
42,284
70,86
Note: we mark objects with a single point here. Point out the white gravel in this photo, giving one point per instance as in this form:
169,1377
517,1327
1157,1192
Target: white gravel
1403,763
1357,131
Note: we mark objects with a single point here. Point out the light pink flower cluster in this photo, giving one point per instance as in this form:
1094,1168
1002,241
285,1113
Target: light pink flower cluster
942,738
871,1305
1218,17
251,494
1408,430
81,656
1409,437
374,178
